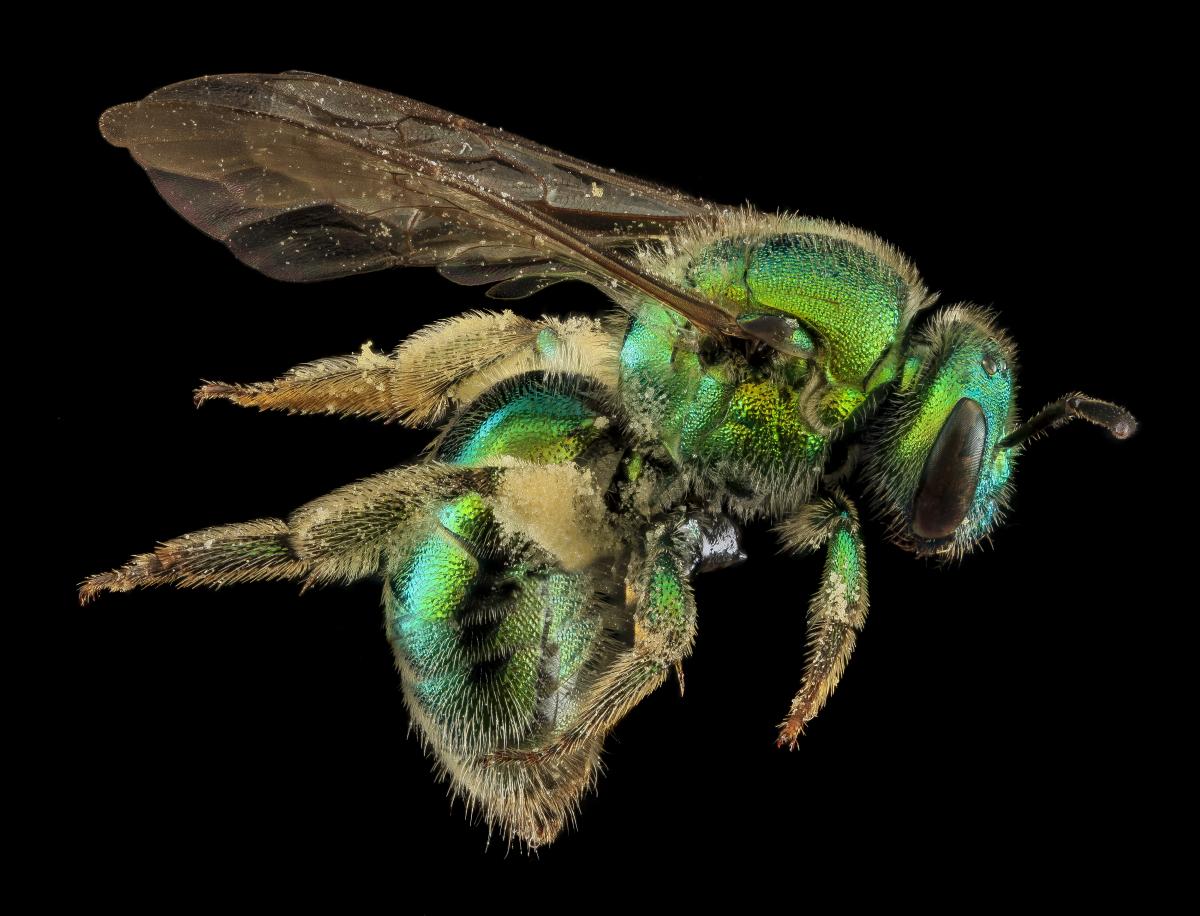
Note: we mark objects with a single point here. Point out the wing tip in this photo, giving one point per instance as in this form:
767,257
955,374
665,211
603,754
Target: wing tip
113,123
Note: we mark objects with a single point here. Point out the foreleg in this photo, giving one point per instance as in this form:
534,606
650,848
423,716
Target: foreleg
836,612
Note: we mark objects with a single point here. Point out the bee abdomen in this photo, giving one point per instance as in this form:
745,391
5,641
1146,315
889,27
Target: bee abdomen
489,633
496,646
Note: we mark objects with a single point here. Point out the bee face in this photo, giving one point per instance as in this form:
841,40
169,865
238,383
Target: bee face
937,462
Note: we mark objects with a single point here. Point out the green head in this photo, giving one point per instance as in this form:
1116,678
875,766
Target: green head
936,461
942,454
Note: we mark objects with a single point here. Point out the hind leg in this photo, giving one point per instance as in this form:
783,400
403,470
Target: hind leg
338,537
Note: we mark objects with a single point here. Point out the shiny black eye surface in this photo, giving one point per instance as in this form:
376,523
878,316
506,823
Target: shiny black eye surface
951,472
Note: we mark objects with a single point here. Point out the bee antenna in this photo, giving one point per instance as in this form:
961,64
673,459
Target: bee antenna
1117,420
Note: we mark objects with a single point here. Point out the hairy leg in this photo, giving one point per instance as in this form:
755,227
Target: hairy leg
664,632
337,537
836,612
439,368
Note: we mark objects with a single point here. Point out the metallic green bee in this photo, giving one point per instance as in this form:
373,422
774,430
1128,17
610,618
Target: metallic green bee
536,563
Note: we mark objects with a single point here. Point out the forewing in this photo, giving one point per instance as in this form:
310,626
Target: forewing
306,177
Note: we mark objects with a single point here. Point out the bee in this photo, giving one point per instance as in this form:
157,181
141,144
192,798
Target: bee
537,561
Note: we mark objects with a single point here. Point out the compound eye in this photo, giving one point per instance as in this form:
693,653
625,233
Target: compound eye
951,472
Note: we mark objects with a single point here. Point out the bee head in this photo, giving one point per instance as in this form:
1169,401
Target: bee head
938,460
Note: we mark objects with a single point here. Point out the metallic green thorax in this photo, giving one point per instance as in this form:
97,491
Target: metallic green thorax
844,293
764,423
722,419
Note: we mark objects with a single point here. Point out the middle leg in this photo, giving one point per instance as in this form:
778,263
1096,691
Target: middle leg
664,626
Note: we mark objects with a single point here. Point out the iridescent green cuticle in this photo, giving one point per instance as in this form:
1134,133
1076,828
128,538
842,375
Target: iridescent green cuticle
438,578
546,427
840,290
839,403
802,341
468,517
961,375
912,366
795,371
658,378
666,595
844,559
719,271
573,626
468,657
547,343
705,411
763,425
701,413
881,376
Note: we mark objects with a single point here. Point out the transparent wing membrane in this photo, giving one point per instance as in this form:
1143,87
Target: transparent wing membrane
305,177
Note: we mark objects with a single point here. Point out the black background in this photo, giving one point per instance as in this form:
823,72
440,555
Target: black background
997,719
